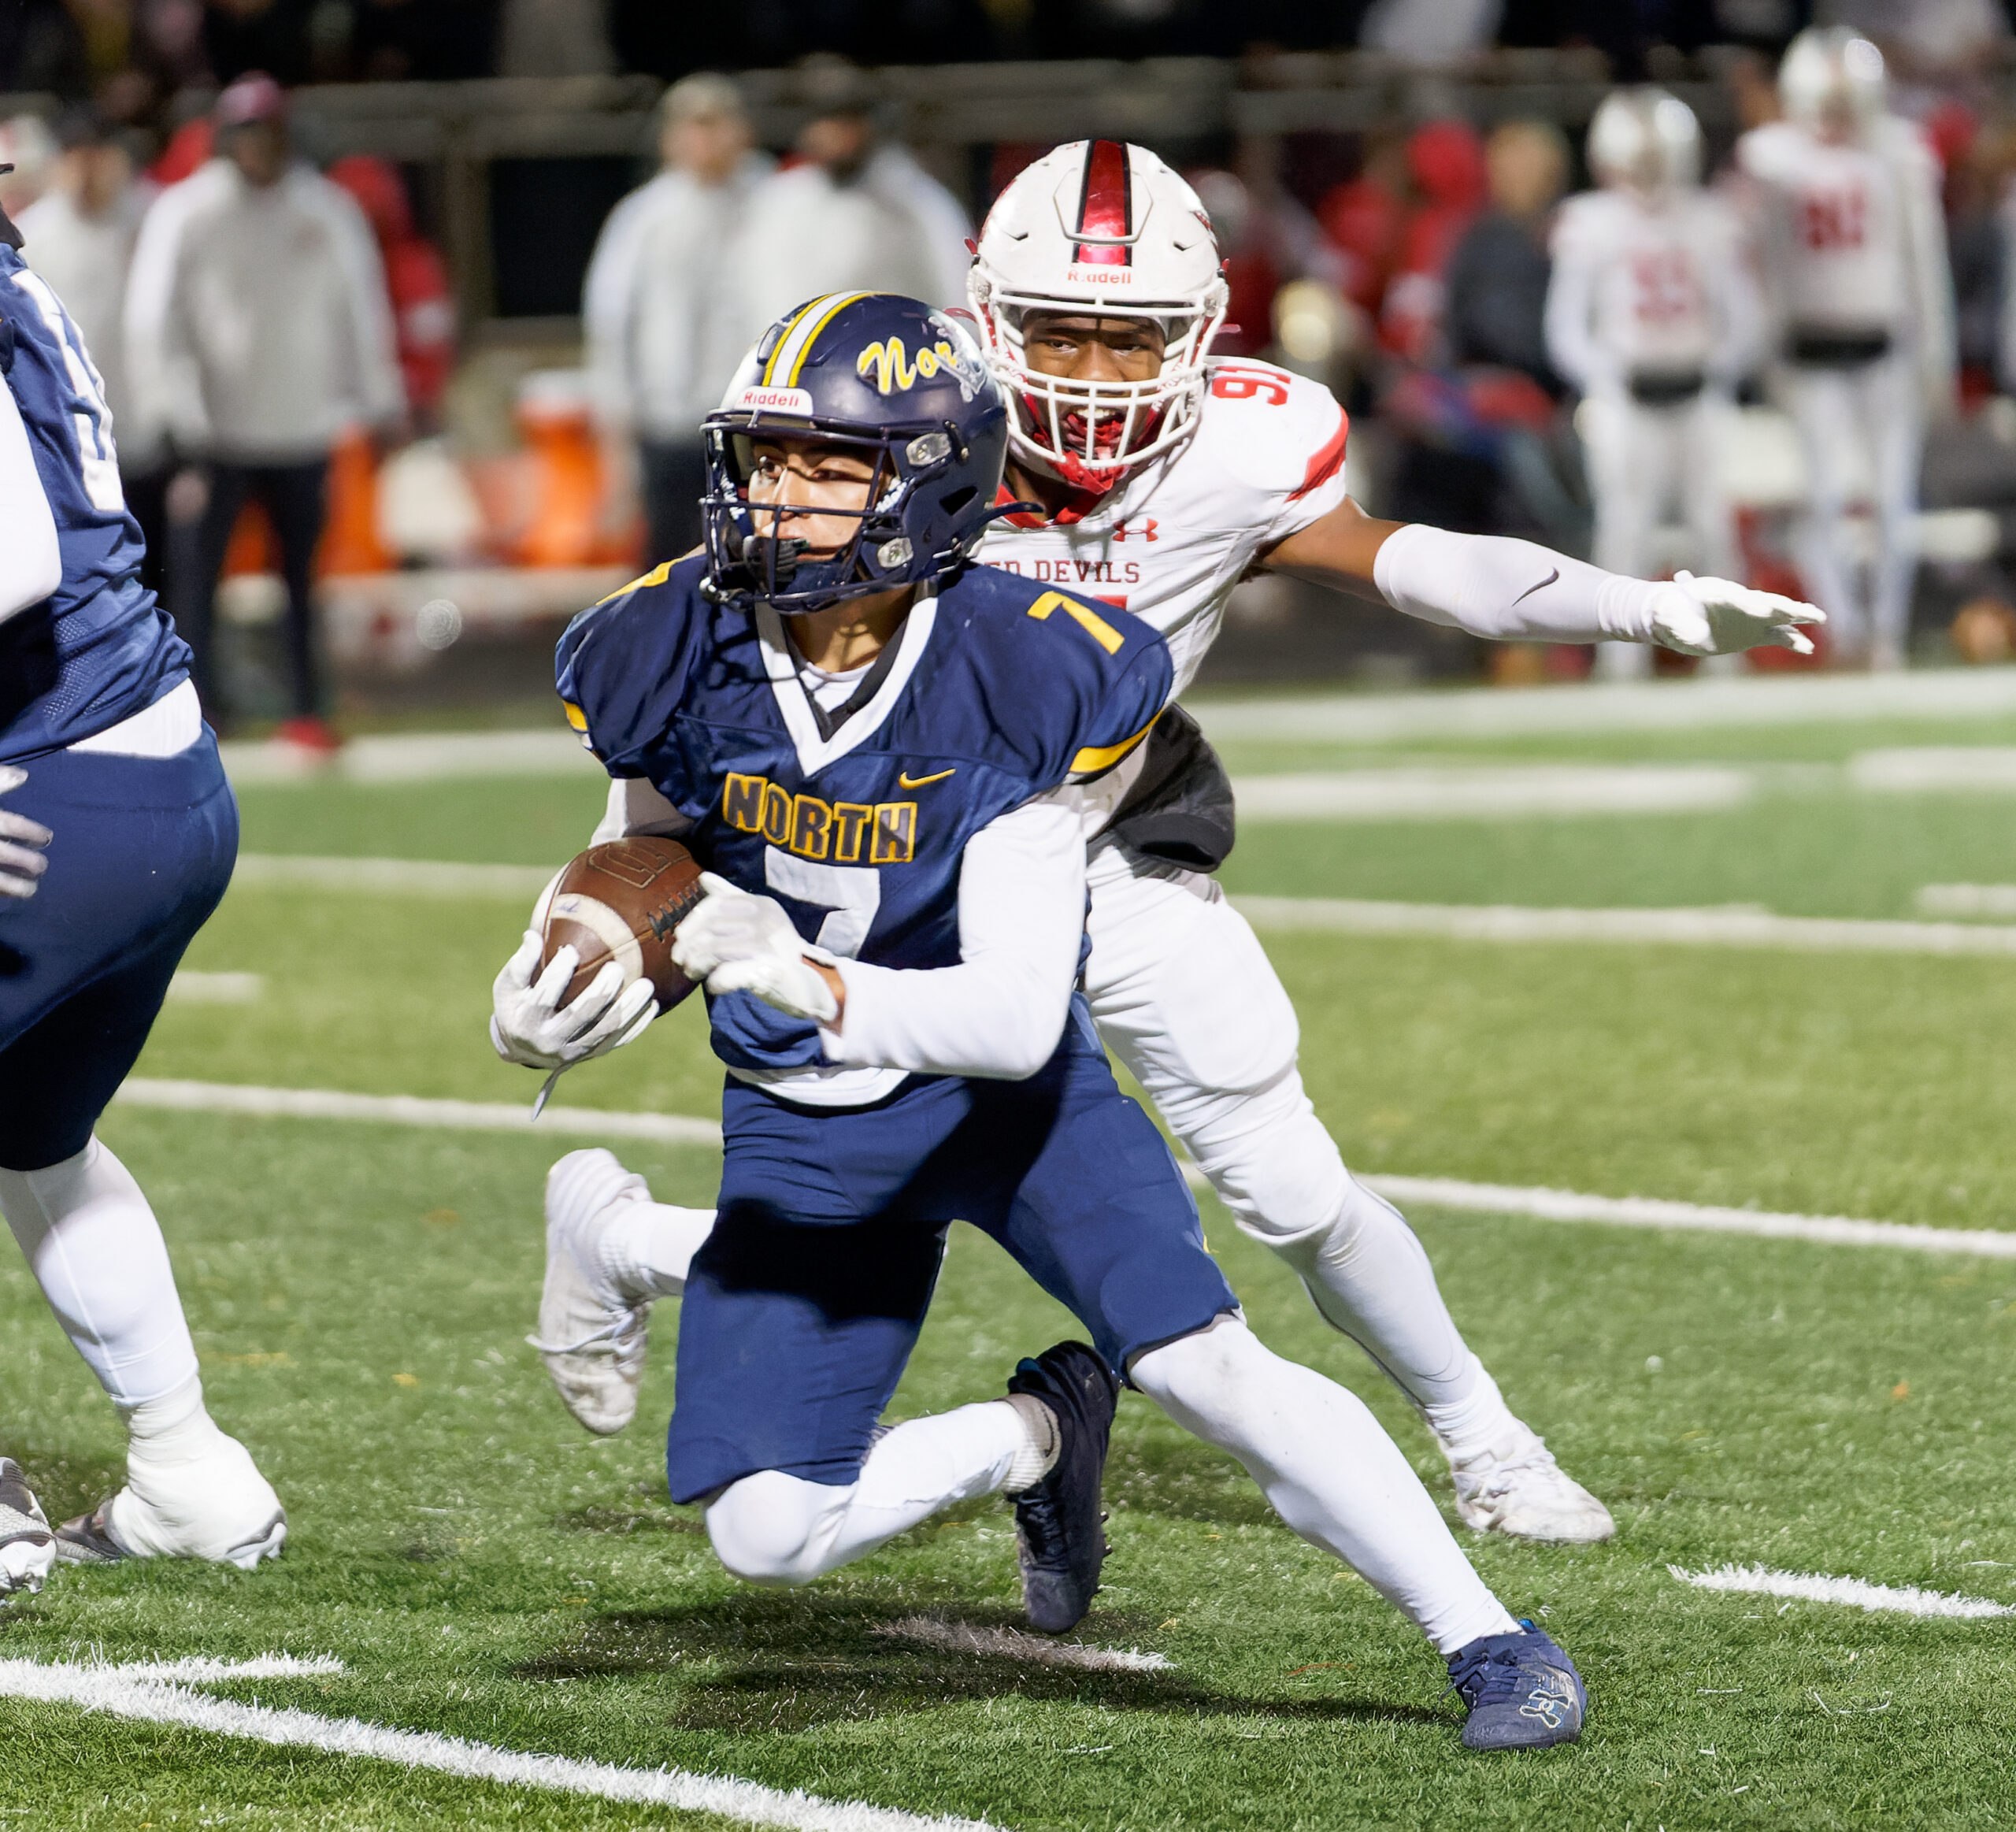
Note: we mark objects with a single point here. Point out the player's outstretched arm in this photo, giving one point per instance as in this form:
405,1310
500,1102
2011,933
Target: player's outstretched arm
1495,587
998,1014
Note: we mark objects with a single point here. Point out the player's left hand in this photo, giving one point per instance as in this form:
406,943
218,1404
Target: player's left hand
1716,616
738,942
22,860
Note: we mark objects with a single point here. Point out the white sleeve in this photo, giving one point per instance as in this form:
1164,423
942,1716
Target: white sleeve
1917,175
608,304
1493,586
1739,309
1000,1012
636,808
31,558
163,393
1571,342
381,390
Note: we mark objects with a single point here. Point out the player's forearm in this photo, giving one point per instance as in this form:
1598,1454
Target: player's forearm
30,557
1495,587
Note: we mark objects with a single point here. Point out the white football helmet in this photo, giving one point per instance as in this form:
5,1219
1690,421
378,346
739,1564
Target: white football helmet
1645,138
1832,77
1099,227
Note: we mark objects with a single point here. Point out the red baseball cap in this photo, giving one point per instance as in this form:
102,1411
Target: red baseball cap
255,96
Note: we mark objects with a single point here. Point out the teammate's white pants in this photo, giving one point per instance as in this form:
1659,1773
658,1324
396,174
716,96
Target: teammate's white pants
97,1252
1856,422
1645,464
1318,1453
1185,997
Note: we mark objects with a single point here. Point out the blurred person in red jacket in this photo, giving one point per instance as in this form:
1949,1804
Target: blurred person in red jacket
1446,163
1364,217
416,279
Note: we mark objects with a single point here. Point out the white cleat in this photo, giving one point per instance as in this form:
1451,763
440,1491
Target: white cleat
28,1549
217,1506
591,1338
1514,1486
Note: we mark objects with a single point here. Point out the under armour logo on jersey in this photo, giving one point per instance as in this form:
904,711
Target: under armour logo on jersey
887,360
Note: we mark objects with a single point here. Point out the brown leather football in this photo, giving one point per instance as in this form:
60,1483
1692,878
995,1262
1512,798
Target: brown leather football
620,901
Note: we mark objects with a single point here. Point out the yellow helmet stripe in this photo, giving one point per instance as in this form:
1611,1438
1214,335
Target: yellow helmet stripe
781,371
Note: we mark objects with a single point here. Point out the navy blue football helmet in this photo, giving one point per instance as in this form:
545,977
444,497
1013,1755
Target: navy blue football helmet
887,377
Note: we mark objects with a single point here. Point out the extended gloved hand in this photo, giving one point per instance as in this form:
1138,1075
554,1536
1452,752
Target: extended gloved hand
22,862
529,1025
738,942
1716,616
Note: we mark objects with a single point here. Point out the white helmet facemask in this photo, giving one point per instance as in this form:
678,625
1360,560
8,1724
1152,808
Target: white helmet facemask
1099,229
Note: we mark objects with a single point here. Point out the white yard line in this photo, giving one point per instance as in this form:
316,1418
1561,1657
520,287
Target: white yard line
1734,926
1968,900
952,1638
144,1694
412,878
416,757
1379,719
1497,792
191,988
1539,1204
1898,1598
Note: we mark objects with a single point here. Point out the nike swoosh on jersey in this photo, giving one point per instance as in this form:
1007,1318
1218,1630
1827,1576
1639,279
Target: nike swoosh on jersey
1541,587
903,780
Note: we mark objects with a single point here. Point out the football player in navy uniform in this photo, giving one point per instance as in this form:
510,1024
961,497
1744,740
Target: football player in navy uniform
118,840
877,749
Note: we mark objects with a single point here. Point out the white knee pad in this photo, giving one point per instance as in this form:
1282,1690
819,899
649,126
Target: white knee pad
1267,1154
776,1530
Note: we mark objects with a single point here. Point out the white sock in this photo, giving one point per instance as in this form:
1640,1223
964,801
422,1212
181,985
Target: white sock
1479,1421
1328,1469
644,1248
97,1252
168,1435
775,1529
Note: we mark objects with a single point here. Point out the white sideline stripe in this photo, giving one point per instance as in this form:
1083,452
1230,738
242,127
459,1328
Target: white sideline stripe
418,877
191,988
1540,1204
1978,769
418,757
1967,900
952,1638
1735,926
1498,792
409,1110
1376,718
140,1693
1899,1599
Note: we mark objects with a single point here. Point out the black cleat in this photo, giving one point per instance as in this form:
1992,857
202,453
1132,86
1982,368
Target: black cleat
1521,1691
1058,1532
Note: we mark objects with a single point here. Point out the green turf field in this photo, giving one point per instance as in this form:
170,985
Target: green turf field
481,1567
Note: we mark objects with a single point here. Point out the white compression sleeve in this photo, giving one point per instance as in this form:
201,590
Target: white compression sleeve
1000,1012
97,1252
774,1528
1493,586
1328,1469
31,560
646,1247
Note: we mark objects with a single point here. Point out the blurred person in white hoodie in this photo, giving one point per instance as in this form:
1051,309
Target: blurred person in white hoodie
79,236
663,332
856,214
258,330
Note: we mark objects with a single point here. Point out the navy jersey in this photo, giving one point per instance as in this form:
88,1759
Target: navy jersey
997,689
100,648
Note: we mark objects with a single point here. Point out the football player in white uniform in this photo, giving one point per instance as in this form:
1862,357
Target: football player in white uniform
1158,477
1861,300
1653,315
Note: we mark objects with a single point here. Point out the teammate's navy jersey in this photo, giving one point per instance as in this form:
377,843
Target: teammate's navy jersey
996,690
99,648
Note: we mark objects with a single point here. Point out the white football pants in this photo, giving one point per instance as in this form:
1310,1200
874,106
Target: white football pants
1319,1455
97,1252
1856,423
1645,465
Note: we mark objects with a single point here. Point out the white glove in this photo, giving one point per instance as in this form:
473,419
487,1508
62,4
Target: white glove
738,942
22,862
1716,617
529,1025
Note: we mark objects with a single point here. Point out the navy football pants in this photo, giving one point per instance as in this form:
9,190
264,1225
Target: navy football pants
803,1304
142,851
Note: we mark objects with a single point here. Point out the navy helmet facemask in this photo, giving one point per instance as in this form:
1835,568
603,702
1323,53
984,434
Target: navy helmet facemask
889,378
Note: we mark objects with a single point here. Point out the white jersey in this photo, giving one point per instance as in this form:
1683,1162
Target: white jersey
1172,540
1649,286
1840,227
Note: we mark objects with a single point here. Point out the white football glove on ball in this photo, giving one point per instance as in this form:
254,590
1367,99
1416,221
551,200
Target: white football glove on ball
22,862
1716,616
738,942
529,1025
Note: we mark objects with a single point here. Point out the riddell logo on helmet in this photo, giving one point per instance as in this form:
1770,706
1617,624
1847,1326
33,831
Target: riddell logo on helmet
1103,275
777,400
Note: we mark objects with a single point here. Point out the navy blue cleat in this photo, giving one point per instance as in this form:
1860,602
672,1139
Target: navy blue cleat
1059,1528
1523,1693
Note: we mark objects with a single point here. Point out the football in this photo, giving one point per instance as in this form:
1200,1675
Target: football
621,901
